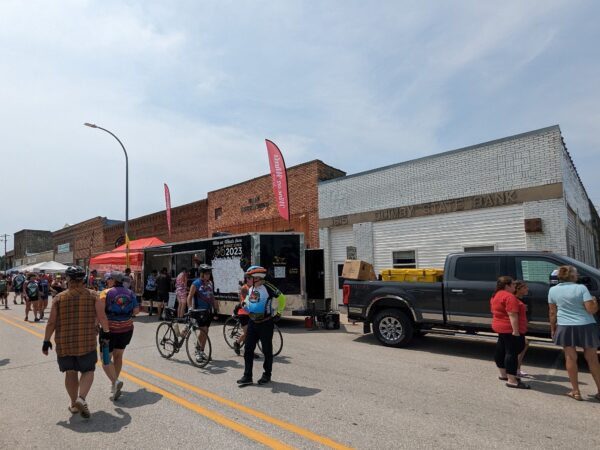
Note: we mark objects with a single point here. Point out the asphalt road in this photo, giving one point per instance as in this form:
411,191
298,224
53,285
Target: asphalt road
331,389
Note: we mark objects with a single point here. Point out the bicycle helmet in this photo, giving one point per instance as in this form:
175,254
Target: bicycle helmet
203,268
75,272
117,276
256,272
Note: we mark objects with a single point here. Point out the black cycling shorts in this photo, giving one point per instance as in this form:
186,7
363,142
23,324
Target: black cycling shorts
83,363
203,317
119,340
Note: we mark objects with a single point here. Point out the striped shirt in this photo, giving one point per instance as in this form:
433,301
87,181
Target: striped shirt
75,322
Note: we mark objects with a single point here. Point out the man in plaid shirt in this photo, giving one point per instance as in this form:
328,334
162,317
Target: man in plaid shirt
73,318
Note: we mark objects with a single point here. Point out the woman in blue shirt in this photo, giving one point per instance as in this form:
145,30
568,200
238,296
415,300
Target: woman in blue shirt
572,325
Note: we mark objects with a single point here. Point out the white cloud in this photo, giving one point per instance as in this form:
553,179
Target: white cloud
194,88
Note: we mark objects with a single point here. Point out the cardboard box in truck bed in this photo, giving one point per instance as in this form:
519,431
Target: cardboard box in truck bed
355,269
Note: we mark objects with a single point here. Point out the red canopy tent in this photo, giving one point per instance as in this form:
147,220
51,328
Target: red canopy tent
116,259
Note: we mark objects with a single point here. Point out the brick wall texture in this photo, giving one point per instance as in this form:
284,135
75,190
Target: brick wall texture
32,241
250,206
244,207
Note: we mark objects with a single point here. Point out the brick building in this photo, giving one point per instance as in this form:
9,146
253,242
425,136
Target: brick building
517,193
76,244
28,242
188,222
243,207
249,206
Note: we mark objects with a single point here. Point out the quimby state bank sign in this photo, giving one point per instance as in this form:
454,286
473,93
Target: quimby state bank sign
512,197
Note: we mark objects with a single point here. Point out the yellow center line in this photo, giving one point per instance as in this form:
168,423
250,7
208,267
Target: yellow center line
252,412
215,417
280,423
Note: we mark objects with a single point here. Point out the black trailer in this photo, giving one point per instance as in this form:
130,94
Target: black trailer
297,272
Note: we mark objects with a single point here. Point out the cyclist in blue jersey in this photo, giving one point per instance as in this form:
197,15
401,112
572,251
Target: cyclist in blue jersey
259,306
201,302
120,305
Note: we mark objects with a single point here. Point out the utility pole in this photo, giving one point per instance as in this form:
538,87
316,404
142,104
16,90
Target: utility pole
4,237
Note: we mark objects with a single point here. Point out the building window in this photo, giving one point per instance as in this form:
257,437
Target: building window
404,259
479,248
218,213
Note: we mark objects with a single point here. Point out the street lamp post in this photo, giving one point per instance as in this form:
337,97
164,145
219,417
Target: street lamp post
91,125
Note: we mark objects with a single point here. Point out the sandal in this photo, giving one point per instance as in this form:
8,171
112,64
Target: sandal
519,385
574,396
506,378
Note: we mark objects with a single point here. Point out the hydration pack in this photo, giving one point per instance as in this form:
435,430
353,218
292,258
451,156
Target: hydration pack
32,289
19,280
119,304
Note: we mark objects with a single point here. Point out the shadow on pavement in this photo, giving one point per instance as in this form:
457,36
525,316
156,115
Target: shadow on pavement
473,347
221,366
291,389
100,422
215,366
4,362
137,399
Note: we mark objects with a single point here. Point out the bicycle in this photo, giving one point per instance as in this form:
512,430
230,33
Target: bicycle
168,343
232,330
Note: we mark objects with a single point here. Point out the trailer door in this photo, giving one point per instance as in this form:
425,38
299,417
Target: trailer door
315,273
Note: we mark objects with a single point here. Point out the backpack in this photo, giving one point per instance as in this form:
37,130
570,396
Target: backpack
119,304
32,289
19,280
3,285
151,283
44,287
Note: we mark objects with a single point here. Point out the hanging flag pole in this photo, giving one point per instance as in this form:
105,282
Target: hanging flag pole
279,177
168,207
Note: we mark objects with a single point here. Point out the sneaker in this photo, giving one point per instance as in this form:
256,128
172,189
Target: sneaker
82,407
236,348
264,379
201,356
244,381
116,390
73,409
37,319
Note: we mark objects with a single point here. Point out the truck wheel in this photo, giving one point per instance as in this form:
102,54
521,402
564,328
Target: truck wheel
392,327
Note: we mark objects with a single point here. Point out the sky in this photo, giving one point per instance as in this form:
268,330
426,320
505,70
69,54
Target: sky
192,89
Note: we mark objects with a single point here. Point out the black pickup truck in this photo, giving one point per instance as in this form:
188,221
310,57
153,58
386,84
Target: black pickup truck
461,302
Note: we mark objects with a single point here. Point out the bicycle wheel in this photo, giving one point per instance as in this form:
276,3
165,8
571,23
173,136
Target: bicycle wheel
232,330
192,346
277,341
165,340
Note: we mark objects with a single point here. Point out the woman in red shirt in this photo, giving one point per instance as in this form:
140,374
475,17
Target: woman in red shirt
509,320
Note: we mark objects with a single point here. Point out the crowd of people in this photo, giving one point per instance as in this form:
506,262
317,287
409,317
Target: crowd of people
32,289
571,310
89,309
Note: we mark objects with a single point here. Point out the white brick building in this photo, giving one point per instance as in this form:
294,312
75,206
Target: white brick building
480,197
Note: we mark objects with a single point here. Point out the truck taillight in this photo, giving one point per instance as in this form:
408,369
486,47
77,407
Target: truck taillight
346,292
